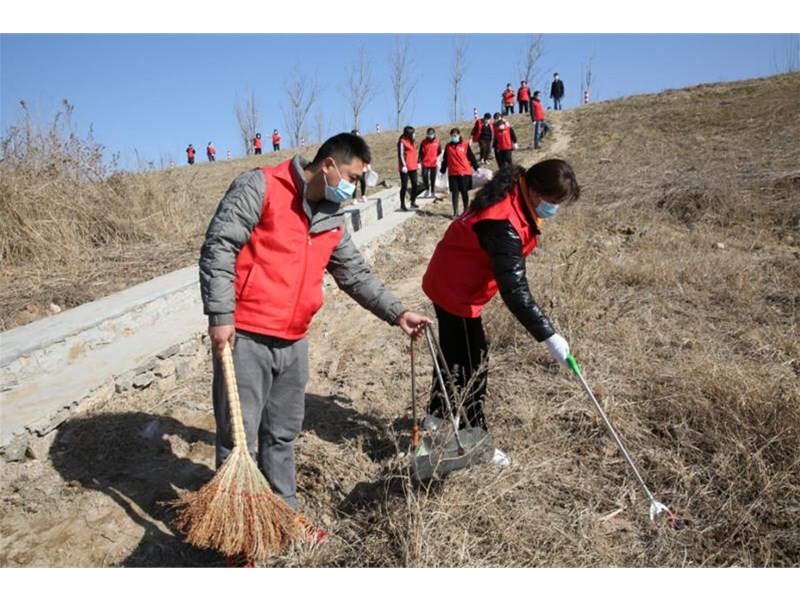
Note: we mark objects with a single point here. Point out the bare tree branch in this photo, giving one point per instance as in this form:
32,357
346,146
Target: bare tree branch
302,93
530,55
458,67
248,116
361,89
403,83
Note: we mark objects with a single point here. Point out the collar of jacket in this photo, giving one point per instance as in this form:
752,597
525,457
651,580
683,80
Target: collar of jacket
322,214
527,201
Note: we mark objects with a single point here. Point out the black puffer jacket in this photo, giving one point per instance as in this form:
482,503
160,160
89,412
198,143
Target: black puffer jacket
502,242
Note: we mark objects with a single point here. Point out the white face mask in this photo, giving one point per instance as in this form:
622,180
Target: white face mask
501,127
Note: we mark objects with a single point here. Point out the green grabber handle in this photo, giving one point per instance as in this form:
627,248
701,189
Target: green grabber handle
573,365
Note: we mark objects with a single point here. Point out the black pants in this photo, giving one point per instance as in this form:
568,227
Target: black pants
276,147
428,179
485,146
459,184
464,346
363,181
191,161
404,177
523,106
258,150
508,108
503,157
211,158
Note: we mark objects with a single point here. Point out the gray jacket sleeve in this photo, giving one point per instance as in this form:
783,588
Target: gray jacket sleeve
236,216
352,275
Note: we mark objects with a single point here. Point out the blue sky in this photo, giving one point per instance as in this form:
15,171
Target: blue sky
153,94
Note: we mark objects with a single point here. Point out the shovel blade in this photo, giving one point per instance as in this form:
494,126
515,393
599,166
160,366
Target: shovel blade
438,453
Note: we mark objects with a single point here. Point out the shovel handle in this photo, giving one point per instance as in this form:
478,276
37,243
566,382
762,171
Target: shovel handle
229,375
415,426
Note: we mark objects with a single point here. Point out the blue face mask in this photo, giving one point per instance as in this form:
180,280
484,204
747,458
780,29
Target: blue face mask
340,193
431,136
455,139
546,210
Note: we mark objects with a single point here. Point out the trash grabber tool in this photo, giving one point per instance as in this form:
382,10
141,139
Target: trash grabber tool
656,508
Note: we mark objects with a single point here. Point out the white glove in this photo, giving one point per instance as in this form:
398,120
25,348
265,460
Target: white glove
558,347
404,170
516,146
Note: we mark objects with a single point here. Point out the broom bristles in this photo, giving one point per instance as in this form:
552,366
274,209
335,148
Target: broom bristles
237,514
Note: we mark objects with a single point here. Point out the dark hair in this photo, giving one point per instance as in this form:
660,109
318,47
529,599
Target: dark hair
553,179
408,130
555,74
431,129
487,115
455,130
343,148
537,92
497,114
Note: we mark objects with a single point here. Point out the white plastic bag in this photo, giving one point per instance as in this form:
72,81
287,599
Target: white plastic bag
442,185
481,177
372,177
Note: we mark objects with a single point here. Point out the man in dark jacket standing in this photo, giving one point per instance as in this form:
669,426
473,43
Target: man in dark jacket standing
556,91
275,233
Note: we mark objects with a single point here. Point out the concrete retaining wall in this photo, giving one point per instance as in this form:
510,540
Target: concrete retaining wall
146,334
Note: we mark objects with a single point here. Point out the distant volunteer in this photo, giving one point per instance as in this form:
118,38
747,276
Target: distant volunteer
429,151
459,162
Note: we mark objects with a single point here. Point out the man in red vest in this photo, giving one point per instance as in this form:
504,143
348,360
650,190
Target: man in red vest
276,140
540,127
483,133
211,152
275,233
505,140
508,100
407,165
523,96
429,151
190,152
257,144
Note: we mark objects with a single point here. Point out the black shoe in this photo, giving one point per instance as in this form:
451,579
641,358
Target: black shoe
414,205
403,208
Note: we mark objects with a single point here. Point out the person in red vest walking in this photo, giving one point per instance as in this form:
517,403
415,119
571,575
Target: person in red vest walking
211,152
257,144
458,161
483,252
407,165
273,236
429,151
523,96
190,153
276,140
540,127
483,134
505,140
508,100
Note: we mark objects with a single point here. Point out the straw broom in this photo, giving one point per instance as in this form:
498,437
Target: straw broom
236,513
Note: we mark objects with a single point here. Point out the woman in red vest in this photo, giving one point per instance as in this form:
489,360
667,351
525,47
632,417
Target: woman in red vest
505,140
429,151
257,144
458,161
481,253
276,140
523,96
508,100
190,152
407,164
483,134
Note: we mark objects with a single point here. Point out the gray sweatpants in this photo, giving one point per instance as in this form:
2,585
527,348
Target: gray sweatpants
271,375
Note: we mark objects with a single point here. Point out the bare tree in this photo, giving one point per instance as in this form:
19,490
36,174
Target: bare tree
302,92
361,88
530,55
403,83
248,117
787,57
587,79
458,67
321,127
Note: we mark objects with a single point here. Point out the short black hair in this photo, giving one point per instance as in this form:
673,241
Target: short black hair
455,130
487,115
431,130
343,148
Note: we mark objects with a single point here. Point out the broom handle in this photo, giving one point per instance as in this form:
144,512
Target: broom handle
229,375
415,426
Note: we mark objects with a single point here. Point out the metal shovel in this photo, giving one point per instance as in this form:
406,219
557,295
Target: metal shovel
656,508
437,453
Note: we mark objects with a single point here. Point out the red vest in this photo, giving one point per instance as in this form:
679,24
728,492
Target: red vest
538,111
279,270
457,161
257,143
190,152
524,93
276,138
503,138
210,151
459,277
508,97
410,154
430,152
477,129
